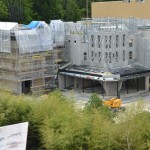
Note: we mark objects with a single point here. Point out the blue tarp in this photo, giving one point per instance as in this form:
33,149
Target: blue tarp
33,24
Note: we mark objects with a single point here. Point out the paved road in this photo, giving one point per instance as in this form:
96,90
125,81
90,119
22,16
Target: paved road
82,98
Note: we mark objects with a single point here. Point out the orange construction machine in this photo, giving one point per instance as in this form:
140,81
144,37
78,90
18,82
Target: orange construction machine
113,103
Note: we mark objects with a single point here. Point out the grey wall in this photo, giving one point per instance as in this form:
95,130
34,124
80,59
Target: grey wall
102,49
143,48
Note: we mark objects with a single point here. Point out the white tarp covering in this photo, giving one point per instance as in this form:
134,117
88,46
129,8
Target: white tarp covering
34,40
8,25
5,41
58,32
14,136
5,30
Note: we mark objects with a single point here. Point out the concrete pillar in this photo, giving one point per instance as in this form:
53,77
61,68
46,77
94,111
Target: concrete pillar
61,80
147,83
119,85
110,88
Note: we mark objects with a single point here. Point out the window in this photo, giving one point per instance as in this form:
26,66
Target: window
116,56
99,41
92,53
131,43
117,40
13,38
109,57
106,57
92,40
124,55
99,56
109,41
123,44
85,56
130,55
106,42
113,55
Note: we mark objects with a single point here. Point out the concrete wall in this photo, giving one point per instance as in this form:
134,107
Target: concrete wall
74,45
110,88
103,53
14,86
120,9
61,84
143,48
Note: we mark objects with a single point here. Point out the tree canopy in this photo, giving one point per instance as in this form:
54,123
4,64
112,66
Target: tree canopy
24,11
55,123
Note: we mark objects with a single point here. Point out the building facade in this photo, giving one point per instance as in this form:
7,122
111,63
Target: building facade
27,57
109,56
123,9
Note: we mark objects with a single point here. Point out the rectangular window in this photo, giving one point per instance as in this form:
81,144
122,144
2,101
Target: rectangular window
117,40
106,42
92,53
116,56
92,40
99,41
99,56
106,57
131,43
124,55
123,40
109,41
109,57
85,56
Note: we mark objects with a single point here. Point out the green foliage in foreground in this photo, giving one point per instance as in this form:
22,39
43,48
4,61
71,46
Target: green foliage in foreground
56,124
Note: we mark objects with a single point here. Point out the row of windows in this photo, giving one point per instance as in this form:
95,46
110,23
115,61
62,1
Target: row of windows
108,41
108,56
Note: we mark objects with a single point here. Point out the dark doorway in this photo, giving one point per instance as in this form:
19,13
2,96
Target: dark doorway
26,87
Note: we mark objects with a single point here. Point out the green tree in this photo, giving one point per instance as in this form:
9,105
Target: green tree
19,10
71,10
132,129
3,11
48,10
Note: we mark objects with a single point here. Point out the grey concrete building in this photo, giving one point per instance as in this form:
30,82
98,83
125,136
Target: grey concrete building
109,56
27,57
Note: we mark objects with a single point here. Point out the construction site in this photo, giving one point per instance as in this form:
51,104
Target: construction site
109,56
29,60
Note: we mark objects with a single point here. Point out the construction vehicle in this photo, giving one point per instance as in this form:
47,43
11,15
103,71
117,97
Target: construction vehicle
114,104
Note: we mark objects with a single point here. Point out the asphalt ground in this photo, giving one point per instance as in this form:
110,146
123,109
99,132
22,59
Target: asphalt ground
82,98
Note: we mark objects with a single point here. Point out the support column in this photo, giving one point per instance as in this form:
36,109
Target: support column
83,85
61,79
127,87
92,86
137,84
147,83
64,81
111,88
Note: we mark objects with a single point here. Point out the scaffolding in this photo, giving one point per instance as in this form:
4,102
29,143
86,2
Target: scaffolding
101,25
28,62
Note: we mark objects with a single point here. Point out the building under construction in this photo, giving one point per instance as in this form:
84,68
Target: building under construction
109,56
28,61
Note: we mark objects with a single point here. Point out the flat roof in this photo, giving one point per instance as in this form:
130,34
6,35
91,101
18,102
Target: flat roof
130,71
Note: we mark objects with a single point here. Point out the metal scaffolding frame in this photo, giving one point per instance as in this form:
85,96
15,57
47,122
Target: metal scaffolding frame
38,66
